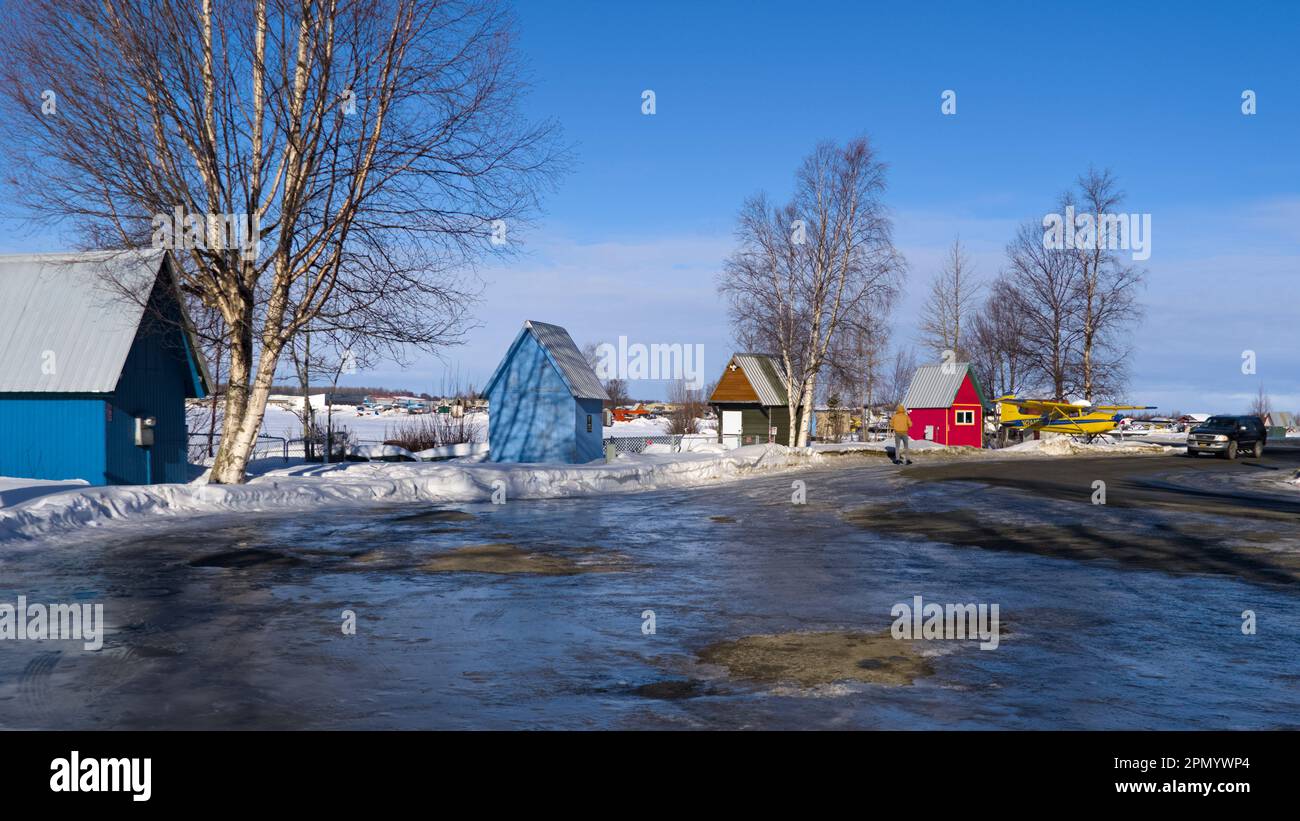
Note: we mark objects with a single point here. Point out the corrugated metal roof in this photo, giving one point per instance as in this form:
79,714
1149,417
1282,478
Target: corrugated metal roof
63,328
933,388
579,376
765,375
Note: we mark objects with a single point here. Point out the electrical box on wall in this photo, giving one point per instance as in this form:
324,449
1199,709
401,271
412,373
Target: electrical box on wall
144,427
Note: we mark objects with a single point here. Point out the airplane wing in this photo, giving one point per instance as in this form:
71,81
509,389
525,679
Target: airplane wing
1114,408
1040,406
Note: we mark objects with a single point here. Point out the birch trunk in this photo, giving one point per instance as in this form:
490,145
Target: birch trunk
806,409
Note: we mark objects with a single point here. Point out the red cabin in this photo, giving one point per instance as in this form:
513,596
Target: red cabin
946,403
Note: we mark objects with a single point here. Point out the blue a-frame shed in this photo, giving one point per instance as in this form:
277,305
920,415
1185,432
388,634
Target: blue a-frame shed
89,344
544,401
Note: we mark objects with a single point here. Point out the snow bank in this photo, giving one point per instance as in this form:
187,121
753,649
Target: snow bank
1057,446
638,426
379,452
454,451
881,447
702,443
1062,446
311,486
1161,437
16,491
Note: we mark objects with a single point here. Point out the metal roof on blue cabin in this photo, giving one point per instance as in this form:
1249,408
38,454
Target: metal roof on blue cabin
932,387
564,354
66,304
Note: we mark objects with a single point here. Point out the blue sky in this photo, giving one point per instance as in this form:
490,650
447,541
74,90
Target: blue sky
632,241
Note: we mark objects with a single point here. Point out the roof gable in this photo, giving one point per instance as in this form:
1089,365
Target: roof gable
64,328
564,356
765,376
936,386
732,386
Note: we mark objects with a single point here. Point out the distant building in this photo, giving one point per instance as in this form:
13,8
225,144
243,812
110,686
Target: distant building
93,383
750,401
833,424
345,399
946,403
545,401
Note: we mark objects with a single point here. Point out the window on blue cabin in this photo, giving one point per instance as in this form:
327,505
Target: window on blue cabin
588,423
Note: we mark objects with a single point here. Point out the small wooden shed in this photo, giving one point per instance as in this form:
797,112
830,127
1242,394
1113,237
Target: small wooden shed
946,403
750,401
544,401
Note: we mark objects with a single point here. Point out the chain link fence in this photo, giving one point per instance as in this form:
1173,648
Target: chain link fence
638,444
202,446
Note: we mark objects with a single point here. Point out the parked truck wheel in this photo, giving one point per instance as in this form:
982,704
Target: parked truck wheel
1230,452
1259,449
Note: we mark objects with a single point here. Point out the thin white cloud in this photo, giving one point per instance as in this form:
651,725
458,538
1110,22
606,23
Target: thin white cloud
1219,282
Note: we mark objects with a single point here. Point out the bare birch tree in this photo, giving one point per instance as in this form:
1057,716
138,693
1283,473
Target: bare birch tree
858,360
364,151
950,305
898,376
803,268
689,405
999,337
1107,288
1261,405
1045,283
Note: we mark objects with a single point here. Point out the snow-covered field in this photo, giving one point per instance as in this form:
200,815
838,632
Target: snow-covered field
371,428
304,486
368,428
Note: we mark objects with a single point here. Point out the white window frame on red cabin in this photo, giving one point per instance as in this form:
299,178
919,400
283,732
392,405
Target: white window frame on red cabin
957,417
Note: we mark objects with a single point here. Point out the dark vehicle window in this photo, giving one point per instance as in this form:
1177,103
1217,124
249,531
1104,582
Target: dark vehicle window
1221,422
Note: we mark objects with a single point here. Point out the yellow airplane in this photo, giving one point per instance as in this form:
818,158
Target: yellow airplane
1085,421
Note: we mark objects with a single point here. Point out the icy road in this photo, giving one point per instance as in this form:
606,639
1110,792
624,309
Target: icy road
726,606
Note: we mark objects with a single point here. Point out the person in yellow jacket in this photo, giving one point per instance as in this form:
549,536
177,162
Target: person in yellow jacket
900,423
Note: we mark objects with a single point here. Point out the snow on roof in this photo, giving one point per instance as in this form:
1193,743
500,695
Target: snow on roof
63,326
936,386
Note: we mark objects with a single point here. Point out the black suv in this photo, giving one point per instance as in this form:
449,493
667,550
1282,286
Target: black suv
1227,435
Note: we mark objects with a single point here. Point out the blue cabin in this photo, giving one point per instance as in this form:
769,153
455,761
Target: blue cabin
97,358
545,403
